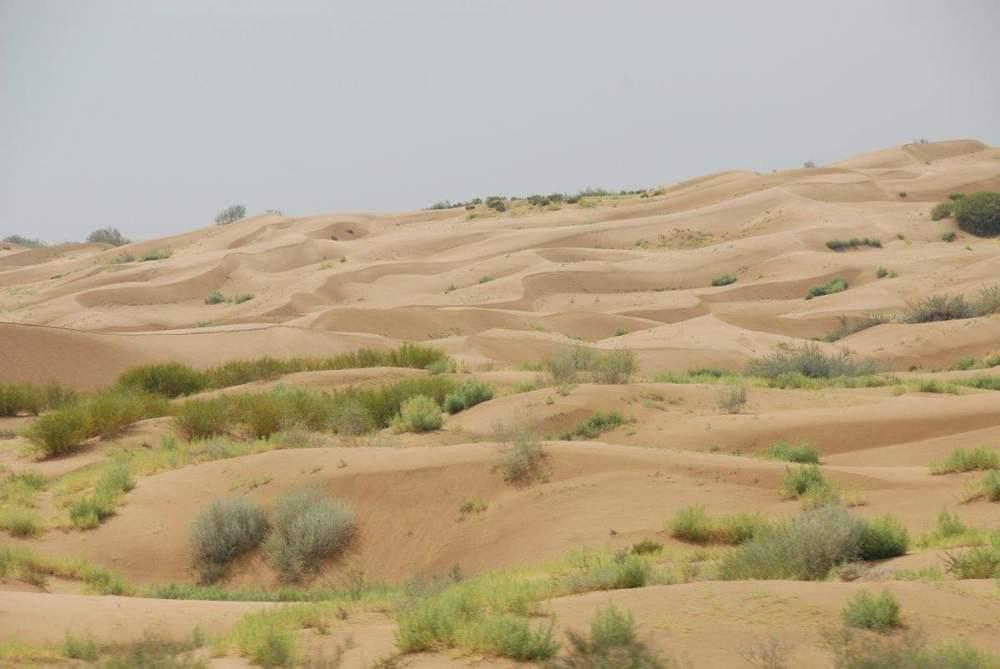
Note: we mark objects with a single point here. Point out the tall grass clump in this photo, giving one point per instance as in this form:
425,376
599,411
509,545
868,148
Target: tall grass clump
854,649
835,285
977,562
307,528
991,485
488,615
802,452
967,460
568,365
616,570
693,524
732,399
873,612
224,530
939,308
523,459
418,414
849,327
170,379
90,511
804,548
807,360
468,395
613,644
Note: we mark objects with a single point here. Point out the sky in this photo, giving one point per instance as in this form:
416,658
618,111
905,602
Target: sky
153,116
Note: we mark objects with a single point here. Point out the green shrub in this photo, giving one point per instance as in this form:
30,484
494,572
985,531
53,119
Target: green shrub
853,243
979,214
60,432
596,424
205,417
349,416
883,537
801,480
240,298
263,414
385,402
967,460
156,254
170,379
691,524
17,398
231,214
809,361
804,548
20,521
467,395
732,399
879,613
307,528
723,280
215,297
26,242
942,210
949,236
90,511
418,414
566,364
224,530
802,452
646,547
111,411
835,285
881,272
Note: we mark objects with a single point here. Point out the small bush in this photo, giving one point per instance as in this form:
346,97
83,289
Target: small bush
949,236
26,242
942,210
979,214
215,297
849,327
614,367
801,480
691,524
646,547
617,571
723,280
881,272
231,214
224,530
612,645
853,243
802,452
566,364
835,285
879,613
60,432
92,510
808,360
240,298
523,460
468,395
418,414
307,528
978,562
883,537
967,460
108,236
263,414
20,521
939,308
853,650
350,417
804,548
732,399
17,398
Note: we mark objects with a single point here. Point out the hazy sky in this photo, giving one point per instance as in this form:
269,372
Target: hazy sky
152,116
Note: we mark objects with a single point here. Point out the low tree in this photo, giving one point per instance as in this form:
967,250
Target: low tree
108,235
231,214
